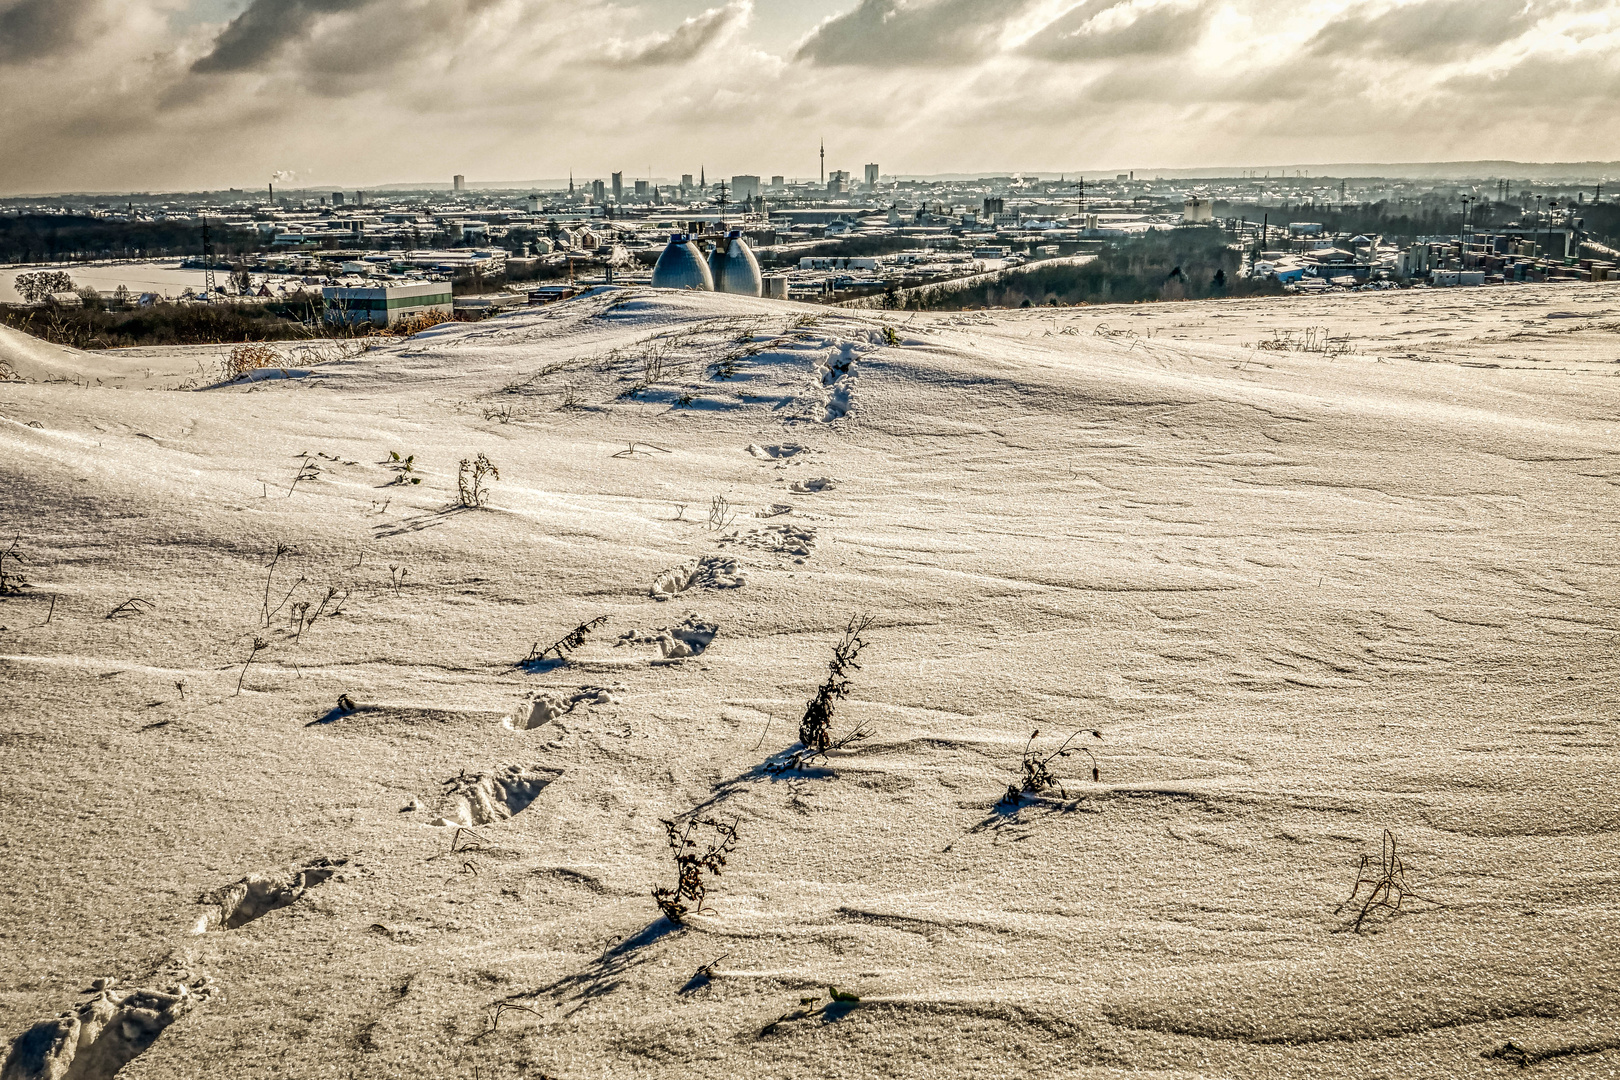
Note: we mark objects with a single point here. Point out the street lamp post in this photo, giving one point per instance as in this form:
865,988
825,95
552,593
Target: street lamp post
1538,224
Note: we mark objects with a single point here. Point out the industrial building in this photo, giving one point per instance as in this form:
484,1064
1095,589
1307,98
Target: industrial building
388,305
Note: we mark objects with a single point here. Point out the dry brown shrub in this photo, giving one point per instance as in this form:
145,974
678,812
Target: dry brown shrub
415,324
251,356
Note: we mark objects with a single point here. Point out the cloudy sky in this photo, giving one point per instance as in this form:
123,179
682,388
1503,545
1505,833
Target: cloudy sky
174,94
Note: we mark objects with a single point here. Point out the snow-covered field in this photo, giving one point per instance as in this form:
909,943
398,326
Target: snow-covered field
1305,596
166,277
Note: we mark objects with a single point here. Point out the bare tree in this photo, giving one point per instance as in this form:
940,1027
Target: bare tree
36,286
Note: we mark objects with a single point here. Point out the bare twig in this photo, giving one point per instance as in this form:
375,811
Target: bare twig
130,608
721,515
770,718
259,645
470,480
12,582
631,450
815,730
499,1008
565,644
1386,882
1037,770
693,861
475,842
275,557
308,470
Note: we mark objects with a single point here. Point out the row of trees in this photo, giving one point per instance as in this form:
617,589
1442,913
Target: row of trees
1176,264
28,238
101,325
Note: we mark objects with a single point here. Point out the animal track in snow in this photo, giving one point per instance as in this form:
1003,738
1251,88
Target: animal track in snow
796,541
709,572
815,483
777,453
240,903
838,376
101,1036
690,638
487,798
545,706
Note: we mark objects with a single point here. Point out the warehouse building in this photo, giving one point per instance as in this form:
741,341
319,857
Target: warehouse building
387,306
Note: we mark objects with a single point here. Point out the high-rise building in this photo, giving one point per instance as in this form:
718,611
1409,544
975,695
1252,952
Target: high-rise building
618,187
686,181
643,189
837,181
778,182
337,198
460,183
744,188
871,176
598,192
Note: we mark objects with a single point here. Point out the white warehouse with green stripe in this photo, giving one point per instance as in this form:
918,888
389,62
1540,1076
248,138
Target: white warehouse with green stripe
386,306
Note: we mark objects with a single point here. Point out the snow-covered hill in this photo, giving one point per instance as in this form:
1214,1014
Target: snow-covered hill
1314,569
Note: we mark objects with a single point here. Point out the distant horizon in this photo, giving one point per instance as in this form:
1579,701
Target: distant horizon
1480,169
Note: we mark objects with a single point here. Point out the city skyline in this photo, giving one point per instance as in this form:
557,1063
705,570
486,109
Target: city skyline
194,94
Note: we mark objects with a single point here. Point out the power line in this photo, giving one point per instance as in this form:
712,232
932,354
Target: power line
208,264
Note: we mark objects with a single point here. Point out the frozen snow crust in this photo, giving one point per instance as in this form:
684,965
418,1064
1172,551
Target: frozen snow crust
1305,596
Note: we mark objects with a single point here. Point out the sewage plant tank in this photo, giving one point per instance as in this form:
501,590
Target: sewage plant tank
681,266
734,267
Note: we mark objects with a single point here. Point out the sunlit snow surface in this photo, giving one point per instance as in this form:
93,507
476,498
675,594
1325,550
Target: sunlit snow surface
1305,596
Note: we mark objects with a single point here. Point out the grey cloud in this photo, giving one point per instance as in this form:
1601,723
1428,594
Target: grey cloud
692,37
257,35
31,29
1429,27
883,33
1163,30
1541,80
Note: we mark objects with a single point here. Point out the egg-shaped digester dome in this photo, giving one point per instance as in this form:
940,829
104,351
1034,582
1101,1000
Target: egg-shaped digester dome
681,266
734,267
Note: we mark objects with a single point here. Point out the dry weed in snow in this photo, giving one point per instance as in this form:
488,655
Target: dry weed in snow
249,357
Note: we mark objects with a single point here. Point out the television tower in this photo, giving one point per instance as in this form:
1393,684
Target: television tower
823,162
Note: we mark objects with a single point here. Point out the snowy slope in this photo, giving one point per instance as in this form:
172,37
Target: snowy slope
1305,596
